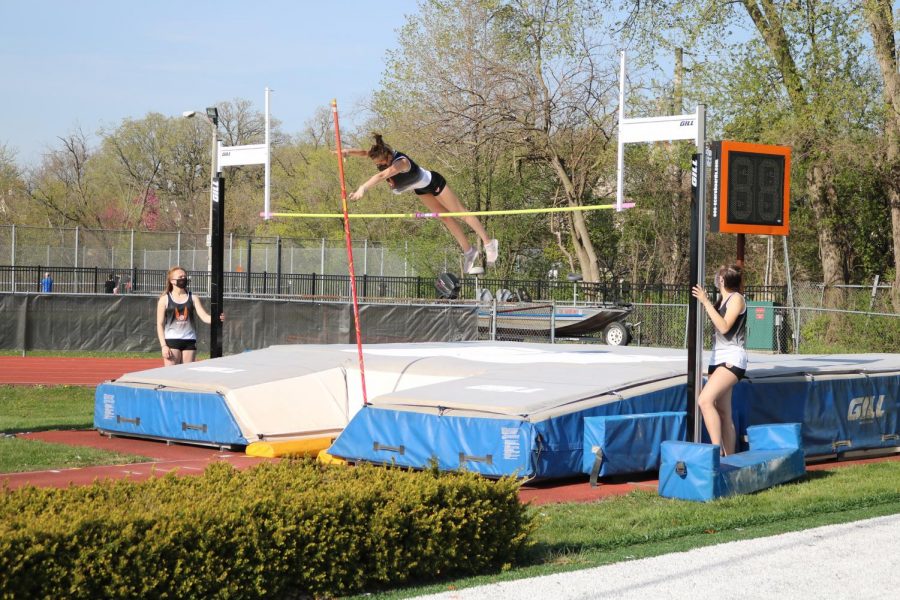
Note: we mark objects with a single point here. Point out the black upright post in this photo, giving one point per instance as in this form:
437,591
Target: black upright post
217,277
278,265
692,303
249,261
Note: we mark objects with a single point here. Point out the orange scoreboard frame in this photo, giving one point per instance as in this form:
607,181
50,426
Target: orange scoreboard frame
751,188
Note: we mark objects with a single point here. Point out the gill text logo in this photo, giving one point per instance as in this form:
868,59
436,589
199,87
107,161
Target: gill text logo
866,408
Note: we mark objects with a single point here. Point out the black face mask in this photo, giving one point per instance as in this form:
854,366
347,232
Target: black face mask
181,283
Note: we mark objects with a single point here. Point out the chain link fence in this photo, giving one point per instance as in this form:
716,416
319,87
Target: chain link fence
118,250
770,329
806,318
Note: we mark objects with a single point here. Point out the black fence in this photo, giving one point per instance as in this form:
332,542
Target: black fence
79,280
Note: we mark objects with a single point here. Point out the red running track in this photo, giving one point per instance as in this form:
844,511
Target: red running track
192,460
184,459
55,370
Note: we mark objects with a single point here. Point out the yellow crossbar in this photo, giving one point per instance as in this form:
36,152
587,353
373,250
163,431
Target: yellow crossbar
431,215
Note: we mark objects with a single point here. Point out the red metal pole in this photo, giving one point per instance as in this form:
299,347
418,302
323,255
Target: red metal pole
337,140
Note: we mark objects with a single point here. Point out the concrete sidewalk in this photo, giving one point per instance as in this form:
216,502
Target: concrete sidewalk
851,560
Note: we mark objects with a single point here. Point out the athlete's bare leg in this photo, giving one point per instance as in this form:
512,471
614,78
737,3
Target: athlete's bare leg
453,204
434,205
715,405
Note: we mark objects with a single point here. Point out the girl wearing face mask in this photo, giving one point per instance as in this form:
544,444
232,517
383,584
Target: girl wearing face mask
728,362
176,313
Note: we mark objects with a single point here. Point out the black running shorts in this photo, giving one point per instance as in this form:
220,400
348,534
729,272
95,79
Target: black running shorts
182,344
437,185
738,372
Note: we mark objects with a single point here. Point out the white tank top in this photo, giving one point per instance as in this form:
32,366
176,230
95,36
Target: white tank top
729,347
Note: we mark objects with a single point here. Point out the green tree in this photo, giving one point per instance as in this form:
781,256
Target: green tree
515,82
786,72
14,201
880,21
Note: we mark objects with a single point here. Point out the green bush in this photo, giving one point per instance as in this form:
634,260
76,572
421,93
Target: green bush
278,530
849,333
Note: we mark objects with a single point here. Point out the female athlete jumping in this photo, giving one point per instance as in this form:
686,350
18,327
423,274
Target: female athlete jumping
403,175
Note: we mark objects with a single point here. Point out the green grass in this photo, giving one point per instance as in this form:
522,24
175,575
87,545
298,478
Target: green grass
642,524
567,536
18,455
39,408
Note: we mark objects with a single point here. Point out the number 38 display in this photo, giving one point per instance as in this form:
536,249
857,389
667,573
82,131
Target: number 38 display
751,188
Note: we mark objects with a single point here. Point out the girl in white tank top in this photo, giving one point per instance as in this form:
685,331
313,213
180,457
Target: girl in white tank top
729,357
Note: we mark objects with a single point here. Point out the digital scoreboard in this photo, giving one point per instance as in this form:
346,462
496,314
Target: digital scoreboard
751,188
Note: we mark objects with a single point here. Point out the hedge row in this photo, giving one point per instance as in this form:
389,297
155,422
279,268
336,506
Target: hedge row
283,529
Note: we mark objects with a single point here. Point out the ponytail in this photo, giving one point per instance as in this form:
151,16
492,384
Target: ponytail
379,149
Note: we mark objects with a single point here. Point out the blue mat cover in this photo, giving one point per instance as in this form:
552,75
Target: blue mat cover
492,446
628,443
696,471
838,415
192,417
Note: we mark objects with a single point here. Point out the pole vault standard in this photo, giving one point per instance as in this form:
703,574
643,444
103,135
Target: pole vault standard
228,156
340,157
662,129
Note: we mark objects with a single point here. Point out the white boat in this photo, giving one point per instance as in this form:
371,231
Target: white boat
565,320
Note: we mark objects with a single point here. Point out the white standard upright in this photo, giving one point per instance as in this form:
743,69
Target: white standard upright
251,154
663,129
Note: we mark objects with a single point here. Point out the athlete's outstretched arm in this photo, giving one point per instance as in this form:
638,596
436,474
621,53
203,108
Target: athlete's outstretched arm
397,167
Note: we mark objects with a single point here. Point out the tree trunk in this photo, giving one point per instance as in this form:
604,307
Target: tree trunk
581,239
822,196
879,17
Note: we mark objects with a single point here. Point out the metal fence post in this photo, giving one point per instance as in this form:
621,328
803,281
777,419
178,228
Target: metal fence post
494,320
278,264
249,262
13,258
552,322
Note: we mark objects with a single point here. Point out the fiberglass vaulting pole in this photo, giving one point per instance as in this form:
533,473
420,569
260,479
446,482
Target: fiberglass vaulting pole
337,141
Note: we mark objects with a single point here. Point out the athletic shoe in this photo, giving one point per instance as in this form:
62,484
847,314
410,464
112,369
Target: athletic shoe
491,252
469,258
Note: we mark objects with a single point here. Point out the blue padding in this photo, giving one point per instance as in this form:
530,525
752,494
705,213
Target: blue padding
629,443
493,447
704,456
696,472
546,449
838,414
697,479
560,439
775,437
756,470
199,417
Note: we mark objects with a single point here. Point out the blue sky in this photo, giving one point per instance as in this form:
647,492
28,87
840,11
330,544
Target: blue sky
92,63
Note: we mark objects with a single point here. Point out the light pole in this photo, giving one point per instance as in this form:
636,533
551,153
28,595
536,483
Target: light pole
212,116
